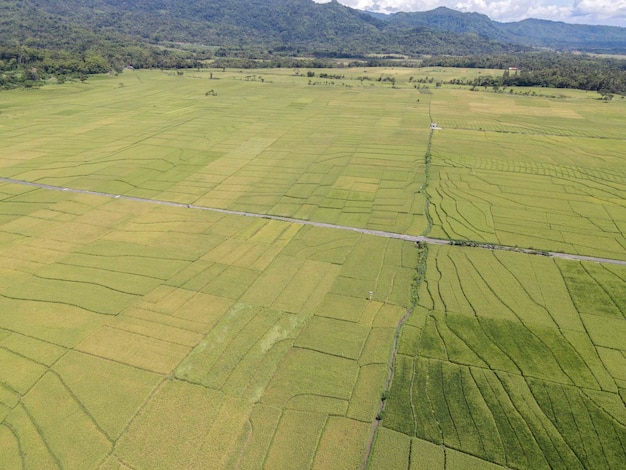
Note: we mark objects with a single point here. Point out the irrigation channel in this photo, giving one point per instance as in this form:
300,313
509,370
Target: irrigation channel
376,233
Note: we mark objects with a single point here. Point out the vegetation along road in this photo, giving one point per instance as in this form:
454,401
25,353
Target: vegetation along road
378,233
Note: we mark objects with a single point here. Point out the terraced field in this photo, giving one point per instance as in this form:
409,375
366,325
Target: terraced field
138,335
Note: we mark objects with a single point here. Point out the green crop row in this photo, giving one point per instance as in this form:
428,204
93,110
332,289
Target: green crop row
505,359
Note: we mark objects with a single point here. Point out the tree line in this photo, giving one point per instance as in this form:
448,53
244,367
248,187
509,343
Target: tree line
543,69
23,66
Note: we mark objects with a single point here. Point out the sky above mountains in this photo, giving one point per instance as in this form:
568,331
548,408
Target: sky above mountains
606,12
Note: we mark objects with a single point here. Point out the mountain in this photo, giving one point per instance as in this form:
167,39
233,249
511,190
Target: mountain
445,19
262,28
530,32
564,36
287,26
219,21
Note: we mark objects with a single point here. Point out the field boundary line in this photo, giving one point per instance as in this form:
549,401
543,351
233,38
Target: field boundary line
366,231
540,134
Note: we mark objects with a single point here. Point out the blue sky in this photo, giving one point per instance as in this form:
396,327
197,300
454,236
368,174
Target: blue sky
607,12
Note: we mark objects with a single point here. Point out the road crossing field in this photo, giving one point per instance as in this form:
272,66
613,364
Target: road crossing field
135,333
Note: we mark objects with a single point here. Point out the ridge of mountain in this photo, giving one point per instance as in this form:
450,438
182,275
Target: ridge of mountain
287,26
529,32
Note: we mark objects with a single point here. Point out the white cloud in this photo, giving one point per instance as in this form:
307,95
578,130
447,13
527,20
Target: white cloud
610,12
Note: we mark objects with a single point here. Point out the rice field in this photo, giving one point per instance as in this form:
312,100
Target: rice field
139,335
345,153
529,172
503,361
203,337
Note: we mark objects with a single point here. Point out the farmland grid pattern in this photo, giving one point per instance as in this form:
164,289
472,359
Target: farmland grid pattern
153,328
450,390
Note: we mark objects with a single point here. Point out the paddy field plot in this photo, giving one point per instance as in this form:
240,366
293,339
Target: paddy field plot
144,335
342,153
510,360
163,337
529,172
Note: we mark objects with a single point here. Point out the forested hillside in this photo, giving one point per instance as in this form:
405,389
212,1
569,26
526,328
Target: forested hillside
530,32
292,26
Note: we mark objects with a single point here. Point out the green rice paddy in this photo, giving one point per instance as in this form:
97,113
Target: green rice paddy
501,363
529,171
138,335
